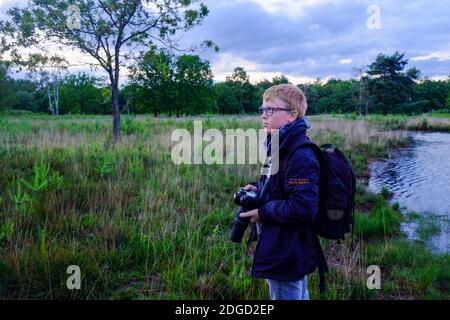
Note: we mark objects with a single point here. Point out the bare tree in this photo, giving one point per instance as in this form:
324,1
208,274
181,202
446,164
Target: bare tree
359,72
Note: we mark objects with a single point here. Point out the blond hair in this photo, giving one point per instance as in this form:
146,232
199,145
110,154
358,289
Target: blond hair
290,94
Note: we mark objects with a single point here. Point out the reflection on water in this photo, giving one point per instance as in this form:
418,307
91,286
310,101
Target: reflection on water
419,177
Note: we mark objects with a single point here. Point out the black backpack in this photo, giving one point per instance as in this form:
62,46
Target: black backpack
335,216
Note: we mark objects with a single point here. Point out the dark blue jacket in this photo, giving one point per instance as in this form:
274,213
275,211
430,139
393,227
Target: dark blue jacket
287,249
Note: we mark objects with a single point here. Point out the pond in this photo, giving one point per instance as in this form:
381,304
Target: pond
419,178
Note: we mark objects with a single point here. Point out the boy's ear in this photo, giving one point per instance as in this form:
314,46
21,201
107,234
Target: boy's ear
294,114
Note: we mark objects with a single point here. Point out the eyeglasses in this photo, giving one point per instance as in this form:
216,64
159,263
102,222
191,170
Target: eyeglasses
270,110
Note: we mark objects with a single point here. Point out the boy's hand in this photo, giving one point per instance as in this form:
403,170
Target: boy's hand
250,187
253,214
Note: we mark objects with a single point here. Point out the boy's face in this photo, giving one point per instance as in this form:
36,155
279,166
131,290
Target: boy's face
279,117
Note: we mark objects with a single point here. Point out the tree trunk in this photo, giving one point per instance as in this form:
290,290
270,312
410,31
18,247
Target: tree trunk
56,97
50,100
116,110
115,93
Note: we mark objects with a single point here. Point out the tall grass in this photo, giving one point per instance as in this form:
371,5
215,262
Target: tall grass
141,227
425,122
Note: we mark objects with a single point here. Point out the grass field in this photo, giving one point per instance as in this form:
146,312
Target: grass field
140,227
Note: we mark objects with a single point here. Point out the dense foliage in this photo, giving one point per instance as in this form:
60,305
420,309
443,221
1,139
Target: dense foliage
161,83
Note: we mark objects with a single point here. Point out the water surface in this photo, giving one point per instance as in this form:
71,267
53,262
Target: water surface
419,177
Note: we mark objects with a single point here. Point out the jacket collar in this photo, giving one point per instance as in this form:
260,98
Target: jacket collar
296,128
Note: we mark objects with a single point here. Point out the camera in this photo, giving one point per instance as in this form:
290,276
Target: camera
246,200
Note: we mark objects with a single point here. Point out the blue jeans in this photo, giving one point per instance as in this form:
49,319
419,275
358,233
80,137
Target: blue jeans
291,290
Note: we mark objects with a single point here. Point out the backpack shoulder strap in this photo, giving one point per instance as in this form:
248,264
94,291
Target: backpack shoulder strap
314,147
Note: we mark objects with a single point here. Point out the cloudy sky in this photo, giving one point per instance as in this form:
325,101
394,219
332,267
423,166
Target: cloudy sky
309,39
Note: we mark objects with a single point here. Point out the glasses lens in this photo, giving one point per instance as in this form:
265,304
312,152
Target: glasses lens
268,111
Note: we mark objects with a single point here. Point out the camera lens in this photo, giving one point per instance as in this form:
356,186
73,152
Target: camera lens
239,226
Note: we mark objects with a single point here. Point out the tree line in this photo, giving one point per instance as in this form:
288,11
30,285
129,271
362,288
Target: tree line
164,84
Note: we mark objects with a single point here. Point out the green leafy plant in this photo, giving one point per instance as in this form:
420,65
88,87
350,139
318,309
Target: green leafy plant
28,195
107,165
42,181
135,164
6,230
21,199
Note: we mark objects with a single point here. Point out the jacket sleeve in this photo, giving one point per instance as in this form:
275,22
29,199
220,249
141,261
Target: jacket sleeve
301,187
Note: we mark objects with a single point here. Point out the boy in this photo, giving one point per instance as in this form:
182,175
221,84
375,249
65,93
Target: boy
287,249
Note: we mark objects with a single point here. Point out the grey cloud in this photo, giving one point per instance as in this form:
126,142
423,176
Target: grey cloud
313,45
